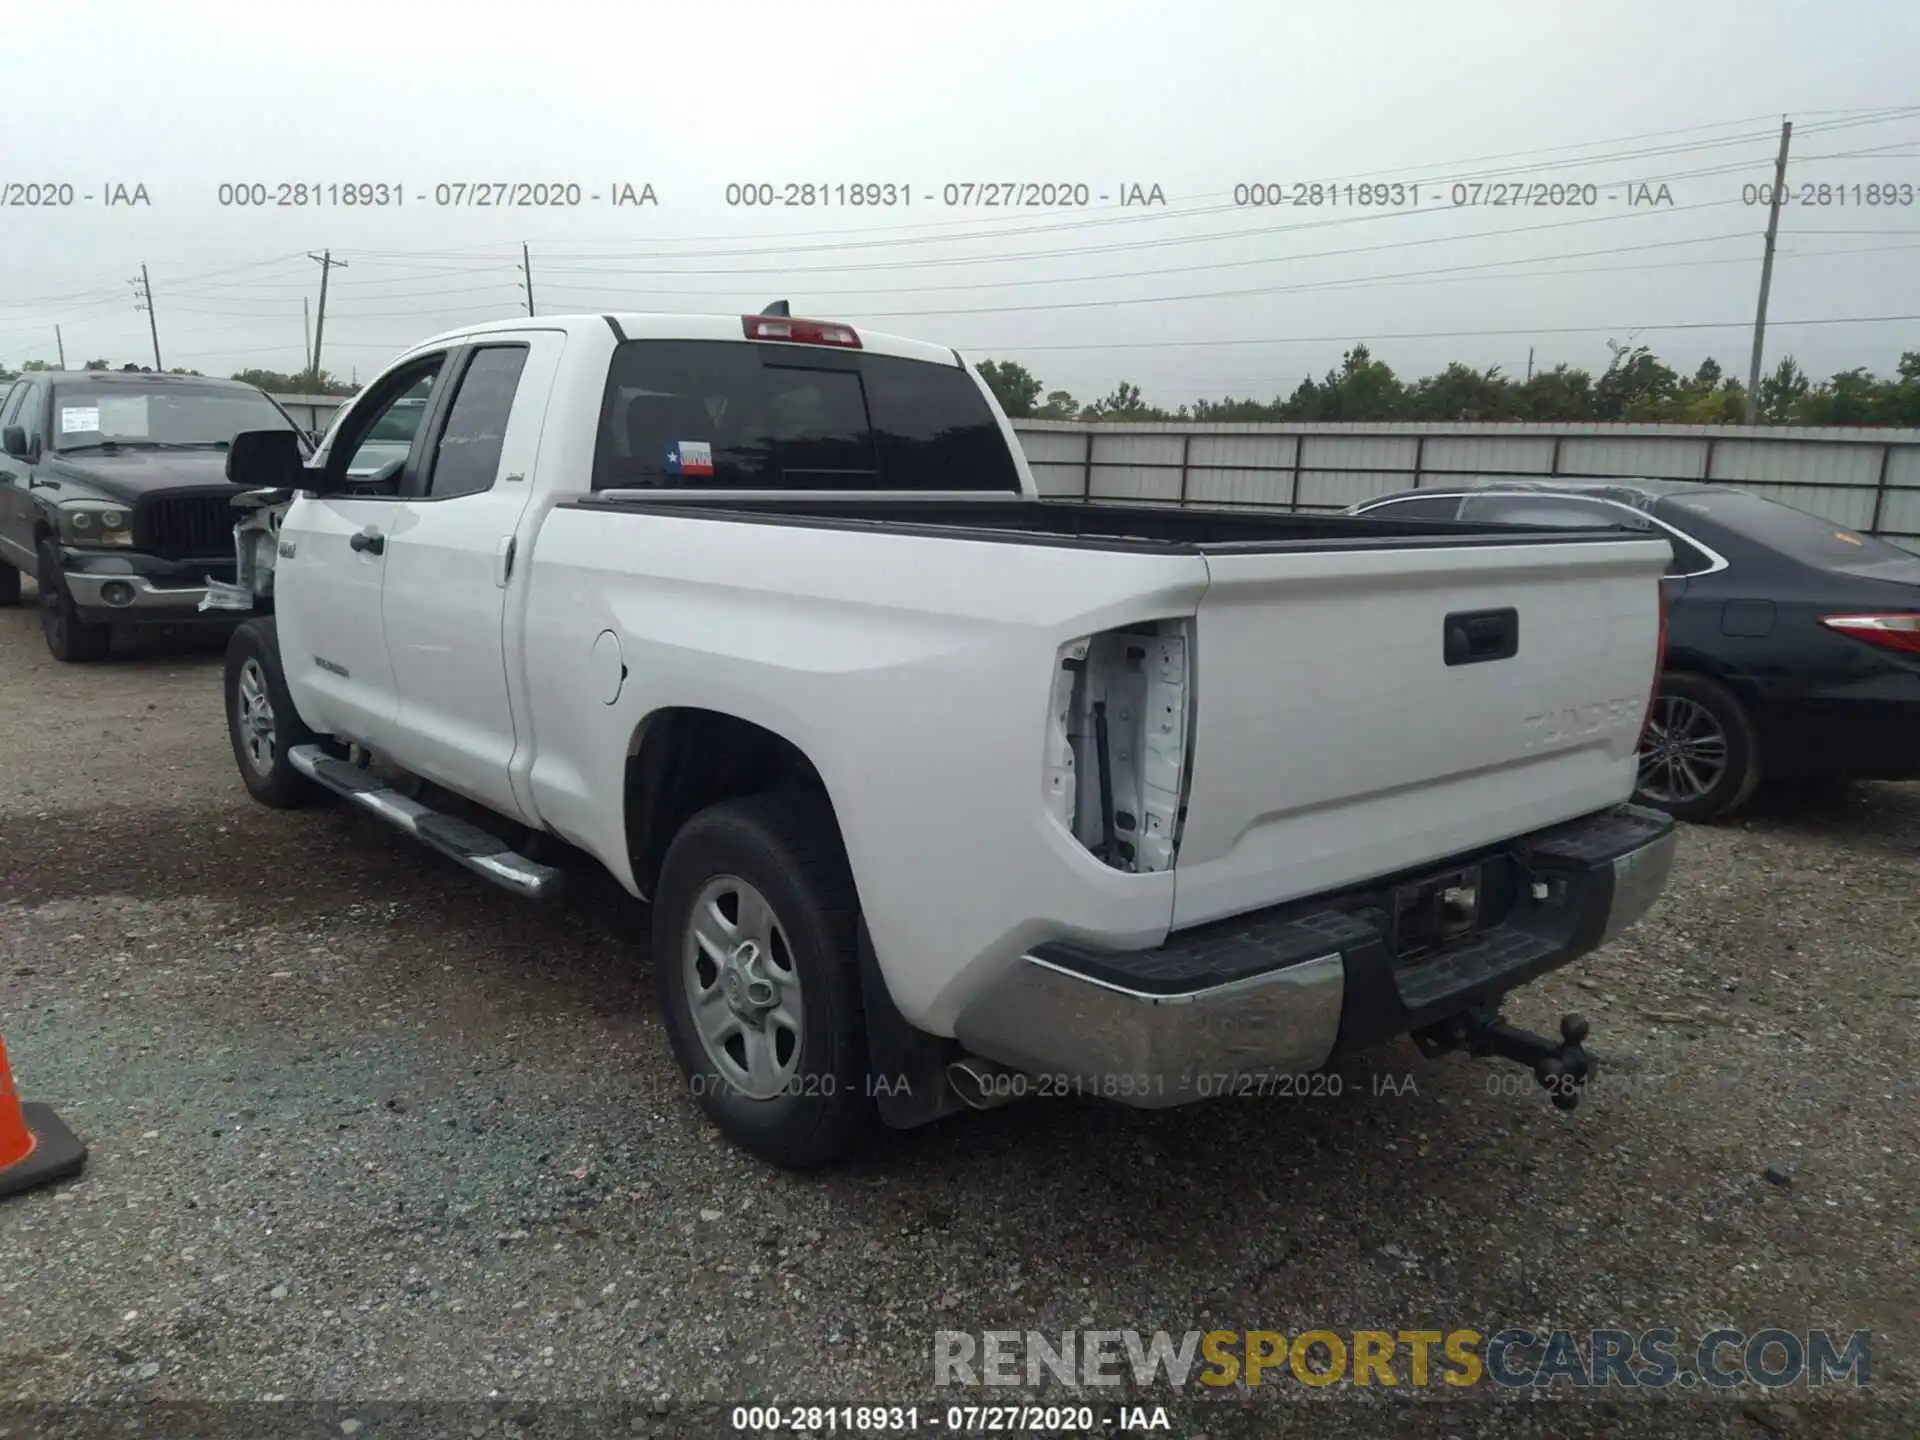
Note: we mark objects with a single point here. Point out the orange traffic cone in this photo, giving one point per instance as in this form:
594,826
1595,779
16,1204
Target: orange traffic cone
35,1148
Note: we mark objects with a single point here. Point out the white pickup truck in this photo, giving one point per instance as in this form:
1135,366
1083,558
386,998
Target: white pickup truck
942,793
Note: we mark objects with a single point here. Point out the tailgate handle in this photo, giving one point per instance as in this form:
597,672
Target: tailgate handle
1472,636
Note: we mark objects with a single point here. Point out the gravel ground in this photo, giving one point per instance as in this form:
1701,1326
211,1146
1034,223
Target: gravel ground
365,1131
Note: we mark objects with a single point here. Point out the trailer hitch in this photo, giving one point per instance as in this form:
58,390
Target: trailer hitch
1563,1069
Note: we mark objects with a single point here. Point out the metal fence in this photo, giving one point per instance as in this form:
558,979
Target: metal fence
1865,479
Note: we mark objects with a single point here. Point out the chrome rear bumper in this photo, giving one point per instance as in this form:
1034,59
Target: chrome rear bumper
1283,991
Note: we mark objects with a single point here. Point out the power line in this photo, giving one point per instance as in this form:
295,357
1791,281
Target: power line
1369,337
1077,251
1158,271
1475,271
1348,339
1210,265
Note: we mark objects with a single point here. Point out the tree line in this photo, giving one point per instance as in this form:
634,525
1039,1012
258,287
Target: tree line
1636,386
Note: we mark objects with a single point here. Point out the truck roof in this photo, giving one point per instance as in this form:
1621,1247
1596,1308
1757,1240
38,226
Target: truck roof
644,325
146,379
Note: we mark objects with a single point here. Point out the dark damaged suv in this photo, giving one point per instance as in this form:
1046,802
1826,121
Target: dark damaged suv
113,492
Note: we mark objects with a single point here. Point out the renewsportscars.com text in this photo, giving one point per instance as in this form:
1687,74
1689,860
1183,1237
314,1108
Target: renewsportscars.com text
1457,1357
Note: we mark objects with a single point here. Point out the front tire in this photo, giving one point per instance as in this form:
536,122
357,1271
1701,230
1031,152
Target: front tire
754,956
261,720
1700,754
72,640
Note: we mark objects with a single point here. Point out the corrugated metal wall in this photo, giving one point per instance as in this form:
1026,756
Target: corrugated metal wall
1864,479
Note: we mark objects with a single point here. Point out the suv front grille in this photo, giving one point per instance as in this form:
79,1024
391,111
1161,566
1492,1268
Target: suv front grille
181,527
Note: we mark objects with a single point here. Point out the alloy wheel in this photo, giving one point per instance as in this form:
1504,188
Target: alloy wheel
743,988
253,718
1684,752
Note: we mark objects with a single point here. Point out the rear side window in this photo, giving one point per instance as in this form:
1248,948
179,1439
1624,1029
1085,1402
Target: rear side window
1567,512
1416,507
734,415
1576,514
1688,559
467,458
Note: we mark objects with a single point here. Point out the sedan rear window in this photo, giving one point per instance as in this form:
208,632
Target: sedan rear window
1796,534
717,414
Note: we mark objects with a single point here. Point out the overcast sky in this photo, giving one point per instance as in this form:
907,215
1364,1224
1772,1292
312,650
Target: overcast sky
1196,97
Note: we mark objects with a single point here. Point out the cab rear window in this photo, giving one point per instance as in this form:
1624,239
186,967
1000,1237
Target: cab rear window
741,416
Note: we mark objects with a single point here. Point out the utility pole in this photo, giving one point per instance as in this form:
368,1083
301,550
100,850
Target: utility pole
1529,364
306,331
1766,274
526,266
327,265
143,300
60,345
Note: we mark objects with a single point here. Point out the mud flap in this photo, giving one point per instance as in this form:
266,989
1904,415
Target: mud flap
906,1066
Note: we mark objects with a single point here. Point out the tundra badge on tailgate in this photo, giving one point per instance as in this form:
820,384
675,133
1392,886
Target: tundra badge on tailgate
1583,722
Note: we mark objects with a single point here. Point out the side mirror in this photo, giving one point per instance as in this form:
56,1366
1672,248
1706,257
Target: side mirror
14,441
267,460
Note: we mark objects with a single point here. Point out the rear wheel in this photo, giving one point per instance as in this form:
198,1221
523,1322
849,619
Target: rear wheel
754,923
70,638
9,584
1699,756
261,720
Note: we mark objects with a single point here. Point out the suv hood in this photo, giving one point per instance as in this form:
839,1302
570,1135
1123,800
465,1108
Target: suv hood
129,474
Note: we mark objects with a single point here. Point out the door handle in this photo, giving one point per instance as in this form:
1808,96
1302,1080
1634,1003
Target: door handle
370,541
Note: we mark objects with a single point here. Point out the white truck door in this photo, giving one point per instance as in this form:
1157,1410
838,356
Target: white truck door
332,562
450,564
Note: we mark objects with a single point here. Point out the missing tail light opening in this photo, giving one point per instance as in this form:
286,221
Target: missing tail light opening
1118,756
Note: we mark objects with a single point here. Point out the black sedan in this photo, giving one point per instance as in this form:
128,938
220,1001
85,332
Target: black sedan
1793,644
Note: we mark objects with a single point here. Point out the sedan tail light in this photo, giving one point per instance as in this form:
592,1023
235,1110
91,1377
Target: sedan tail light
1890,630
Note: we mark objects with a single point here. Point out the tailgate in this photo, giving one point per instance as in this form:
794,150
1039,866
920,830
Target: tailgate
1340,735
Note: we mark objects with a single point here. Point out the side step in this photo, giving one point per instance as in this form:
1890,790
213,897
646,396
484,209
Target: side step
473,847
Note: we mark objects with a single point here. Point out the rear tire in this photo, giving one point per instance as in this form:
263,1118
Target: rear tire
1700,755
9,584
72,640
754,956
261,720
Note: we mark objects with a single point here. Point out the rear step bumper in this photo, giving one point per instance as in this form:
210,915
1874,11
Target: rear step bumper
1283,991
486,855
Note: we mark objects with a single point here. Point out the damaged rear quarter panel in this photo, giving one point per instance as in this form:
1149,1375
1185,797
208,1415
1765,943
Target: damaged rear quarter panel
915,672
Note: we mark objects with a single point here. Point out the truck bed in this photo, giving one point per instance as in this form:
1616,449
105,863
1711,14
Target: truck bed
1152,528
1367,695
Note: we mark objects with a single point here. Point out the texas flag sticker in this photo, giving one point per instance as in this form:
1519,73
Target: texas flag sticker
689,457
